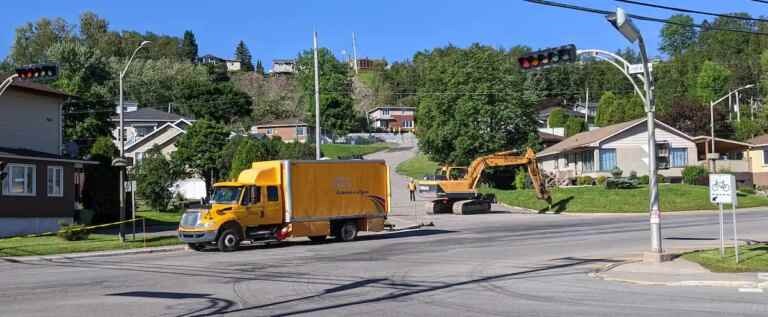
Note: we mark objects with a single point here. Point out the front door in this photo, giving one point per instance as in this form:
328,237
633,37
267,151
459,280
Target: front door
254,206
273,206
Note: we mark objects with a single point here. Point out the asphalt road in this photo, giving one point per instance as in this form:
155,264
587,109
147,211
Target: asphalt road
481,265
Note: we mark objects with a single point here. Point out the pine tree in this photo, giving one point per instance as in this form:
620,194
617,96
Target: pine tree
189,47
243,55
259,67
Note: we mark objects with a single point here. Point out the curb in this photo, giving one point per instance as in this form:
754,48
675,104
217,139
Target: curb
163,249
599,274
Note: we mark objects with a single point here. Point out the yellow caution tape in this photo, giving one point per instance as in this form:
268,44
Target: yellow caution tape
73,229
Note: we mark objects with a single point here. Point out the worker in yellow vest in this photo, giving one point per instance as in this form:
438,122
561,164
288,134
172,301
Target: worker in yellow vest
412,189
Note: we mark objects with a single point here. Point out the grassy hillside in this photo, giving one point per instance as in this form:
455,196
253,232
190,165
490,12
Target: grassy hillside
345,150
417,167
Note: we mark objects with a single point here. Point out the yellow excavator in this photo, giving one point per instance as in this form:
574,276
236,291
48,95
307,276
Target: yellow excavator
460,195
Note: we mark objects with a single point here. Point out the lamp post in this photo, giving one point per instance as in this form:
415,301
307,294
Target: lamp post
121,161
624,25
713,156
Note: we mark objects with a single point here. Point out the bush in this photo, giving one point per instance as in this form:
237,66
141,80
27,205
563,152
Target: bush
616,172
660,179
620,183
632,175
601,180
154,175
584,180
520,179
747,190
84,216
692,174
72,232
644,180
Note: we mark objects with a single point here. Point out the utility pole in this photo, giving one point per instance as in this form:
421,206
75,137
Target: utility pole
354,51
317,100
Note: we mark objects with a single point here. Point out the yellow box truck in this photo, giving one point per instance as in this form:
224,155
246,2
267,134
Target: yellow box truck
275,200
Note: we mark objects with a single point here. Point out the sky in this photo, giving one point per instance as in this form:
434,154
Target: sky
393,29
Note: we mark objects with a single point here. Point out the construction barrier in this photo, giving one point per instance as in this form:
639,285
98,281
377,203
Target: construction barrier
51,233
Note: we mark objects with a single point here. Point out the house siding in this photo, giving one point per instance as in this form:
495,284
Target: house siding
41,205
30,121
286,133
165,139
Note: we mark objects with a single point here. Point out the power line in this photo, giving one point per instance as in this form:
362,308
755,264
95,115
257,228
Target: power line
641,17
652,5
761,1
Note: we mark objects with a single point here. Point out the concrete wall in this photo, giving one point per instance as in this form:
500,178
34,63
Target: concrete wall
30,121
17,226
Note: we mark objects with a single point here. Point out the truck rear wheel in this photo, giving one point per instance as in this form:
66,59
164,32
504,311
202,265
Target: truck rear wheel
316,238
229,240
347,232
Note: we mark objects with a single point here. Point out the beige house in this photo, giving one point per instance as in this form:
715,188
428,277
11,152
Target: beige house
758,158
623,145
289,130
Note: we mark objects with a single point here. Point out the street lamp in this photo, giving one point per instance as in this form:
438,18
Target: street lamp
624,25
713,156
121,162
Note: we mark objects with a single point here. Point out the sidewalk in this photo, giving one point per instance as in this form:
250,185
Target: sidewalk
679,272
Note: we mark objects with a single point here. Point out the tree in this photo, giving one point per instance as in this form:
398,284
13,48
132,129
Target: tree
337,113
259,68
297,151
33,40
93,30
220,102
158,82
100,189
154,176
471,118
200,149
575,126
711,82
747,129
605,109
557,118
250,151
189,47
678,36
243,55
693,118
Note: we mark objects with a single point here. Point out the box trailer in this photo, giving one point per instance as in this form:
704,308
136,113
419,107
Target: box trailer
275,200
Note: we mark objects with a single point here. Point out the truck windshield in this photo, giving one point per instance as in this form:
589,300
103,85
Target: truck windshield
225,195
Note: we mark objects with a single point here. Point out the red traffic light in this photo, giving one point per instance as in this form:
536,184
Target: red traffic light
38,71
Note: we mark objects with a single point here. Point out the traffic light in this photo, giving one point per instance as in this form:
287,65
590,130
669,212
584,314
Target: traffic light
38,71
548,57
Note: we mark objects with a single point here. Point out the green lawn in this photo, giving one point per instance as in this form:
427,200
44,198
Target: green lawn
417,167
170,217
96,242
752,259
345,150
673,197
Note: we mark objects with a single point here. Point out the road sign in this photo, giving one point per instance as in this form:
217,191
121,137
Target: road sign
638,68
722,188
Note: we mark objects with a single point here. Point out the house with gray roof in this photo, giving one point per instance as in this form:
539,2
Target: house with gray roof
143,121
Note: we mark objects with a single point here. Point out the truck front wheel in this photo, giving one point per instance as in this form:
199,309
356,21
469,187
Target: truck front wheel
229,240
347,232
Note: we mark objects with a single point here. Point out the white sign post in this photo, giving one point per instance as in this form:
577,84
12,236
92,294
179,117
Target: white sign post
722,190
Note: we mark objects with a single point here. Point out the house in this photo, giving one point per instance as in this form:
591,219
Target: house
42,185
364,64
623,145
392,118
164,139
140,122
734,157
232,65
758,158
282,66
289,130
548,139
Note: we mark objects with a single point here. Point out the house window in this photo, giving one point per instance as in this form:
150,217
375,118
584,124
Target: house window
55,180
587,161
272,193
20,181
143,130
662,155
300,131
607,159
678,157
269,131
139,157
385,112
407,124
765,156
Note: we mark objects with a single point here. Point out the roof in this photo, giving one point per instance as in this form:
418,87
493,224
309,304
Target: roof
591,138
759,140
281,123
392,108
570,112
283,61
706,138
39,88
36,155
587,138
149,114
549,137
178,125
